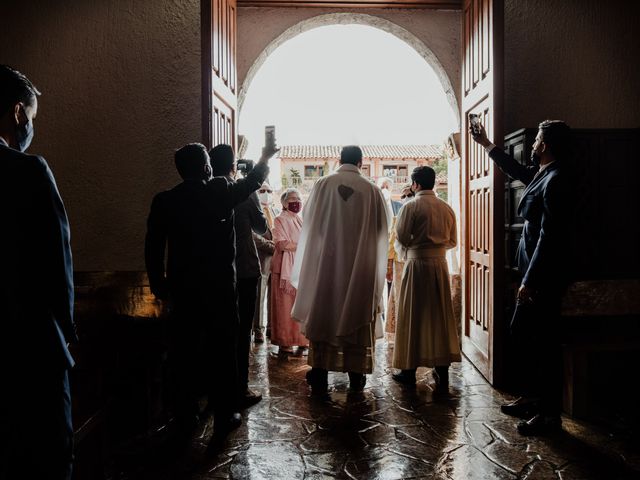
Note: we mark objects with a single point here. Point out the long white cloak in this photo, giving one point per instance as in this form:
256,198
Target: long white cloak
341,260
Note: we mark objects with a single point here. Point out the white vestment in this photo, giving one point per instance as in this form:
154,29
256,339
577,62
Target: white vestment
426,328
341,260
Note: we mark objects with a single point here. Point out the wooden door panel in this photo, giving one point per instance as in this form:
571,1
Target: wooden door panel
219,76
482,183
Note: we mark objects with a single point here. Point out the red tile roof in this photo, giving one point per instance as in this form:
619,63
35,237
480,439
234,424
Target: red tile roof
368,151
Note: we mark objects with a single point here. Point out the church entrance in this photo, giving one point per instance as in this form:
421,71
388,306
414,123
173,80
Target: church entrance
237,51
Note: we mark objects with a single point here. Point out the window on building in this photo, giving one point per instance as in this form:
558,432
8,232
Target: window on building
390,171
312,171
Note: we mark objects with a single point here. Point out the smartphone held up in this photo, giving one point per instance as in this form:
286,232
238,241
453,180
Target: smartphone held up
270,137
474,122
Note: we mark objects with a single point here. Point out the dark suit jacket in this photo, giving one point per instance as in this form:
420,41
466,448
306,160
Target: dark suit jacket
248,219
544,209
195,220
36,293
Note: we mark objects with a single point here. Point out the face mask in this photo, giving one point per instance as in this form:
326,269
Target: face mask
265,198
24,134
294,207
386,194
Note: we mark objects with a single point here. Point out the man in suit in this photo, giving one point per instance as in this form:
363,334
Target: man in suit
195,221
266,248
36,294
248,219
536,322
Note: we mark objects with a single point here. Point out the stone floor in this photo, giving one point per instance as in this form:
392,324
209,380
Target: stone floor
389,432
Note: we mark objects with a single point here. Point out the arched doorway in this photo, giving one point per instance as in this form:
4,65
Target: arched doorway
329,24
354,19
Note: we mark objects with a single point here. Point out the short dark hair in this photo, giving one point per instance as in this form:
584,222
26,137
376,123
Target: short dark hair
556,135
191,160
15,87
222,160
351,154
424,176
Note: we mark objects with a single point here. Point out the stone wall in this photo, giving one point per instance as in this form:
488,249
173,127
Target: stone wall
120,82
575,60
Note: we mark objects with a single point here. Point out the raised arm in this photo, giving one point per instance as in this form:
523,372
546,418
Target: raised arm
505,162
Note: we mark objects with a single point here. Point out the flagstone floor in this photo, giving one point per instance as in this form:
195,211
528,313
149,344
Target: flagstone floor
390,432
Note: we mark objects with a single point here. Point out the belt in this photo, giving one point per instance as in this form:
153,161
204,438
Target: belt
426,253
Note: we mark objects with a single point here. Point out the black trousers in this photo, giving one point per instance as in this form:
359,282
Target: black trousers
36,436
536,334
247,293
202,353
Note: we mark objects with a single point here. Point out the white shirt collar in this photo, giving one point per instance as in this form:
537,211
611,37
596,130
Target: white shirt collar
3,142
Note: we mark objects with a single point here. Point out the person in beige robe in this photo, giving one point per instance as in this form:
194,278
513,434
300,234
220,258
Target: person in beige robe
426,331
339,272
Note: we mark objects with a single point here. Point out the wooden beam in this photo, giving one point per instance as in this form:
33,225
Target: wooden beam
424,4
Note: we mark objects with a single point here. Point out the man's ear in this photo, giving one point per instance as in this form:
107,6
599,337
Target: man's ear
543,147
208,171
17,114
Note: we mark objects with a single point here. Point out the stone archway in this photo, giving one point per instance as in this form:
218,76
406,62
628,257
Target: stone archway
356,19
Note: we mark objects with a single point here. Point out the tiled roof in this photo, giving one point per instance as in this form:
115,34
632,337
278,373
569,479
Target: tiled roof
368,151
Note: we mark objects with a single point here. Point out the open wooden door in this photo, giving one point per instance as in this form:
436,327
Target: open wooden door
219,80
482,187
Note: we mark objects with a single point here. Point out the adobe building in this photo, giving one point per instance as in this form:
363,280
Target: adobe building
302,165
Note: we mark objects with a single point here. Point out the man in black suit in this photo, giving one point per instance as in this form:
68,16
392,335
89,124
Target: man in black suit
536,322
195,221
36,295
248,218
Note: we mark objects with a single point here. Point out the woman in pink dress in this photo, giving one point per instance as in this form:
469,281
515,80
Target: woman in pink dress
287,226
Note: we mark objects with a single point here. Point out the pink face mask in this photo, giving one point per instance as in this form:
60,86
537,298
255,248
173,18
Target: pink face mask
294,207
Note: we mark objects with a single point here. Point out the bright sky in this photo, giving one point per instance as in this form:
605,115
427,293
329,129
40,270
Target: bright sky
345,84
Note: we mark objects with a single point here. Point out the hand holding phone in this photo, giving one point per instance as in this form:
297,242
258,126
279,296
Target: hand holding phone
477,131
270,136
475,125
269,149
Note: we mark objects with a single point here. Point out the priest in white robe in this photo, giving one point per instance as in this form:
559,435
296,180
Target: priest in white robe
426,329
339,273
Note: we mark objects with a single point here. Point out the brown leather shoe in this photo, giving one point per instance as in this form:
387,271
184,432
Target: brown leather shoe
317,379
250,398
520,408
222,426
541,425
405,377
